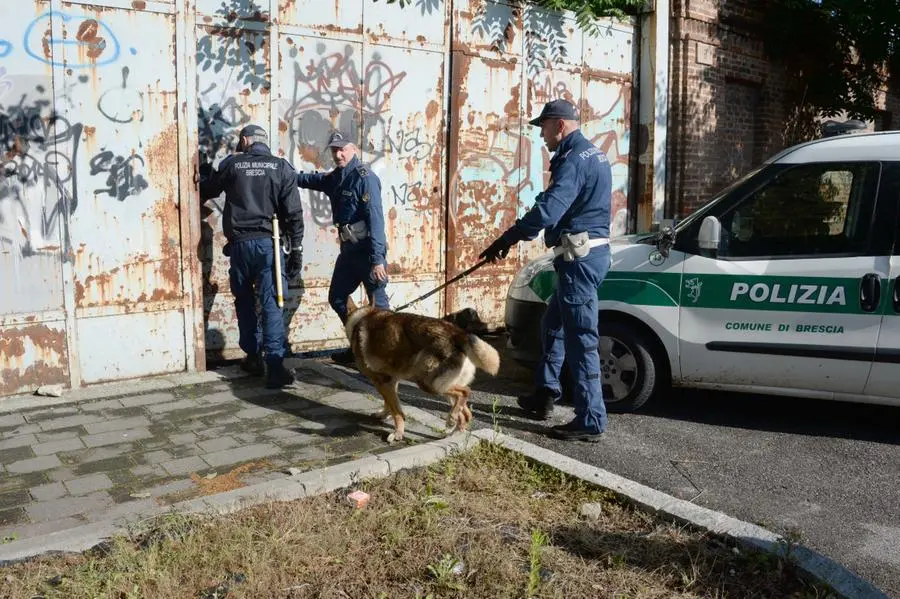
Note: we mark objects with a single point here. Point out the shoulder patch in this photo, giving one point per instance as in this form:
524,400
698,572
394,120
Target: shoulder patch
363,170
365,198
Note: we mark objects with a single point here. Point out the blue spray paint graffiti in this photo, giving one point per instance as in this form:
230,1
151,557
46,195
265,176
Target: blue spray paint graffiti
98,41
5,48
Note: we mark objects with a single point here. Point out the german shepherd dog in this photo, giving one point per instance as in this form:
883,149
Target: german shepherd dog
437,355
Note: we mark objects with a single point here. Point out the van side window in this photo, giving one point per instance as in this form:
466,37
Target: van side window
805,210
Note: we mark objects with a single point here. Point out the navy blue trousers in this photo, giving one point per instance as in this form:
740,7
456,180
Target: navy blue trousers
351,269
252,276
570,331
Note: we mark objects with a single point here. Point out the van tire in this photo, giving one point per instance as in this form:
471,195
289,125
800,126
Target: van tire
647,374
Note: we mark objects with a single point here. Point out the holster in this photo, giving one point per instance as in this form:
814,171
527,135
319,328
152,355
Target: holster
354,232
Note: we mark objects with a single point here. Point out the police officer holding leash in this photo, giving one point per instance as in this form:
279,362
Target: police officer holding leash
259,188
574,212
355,195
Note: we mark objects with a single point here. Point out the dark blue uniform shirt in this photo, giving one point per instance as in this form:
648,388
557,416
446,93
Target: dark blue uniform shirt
355,195
577,198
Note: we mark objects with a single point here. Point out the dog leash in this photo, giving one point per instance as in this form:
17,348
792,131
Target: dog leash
465,273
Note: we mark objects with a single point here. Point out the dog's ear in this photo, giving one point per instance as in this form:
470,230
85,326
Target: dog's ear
351,305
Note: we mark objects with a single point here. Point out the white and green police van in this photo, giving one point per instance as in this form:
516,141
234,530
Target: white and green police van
787,282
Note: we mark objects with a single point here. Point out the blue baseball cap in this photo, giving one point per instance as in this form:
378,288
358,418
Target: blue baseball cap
556,109
255,132
338,140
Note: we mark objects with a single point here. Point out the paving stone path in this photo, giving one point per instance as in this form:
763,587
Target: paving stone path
71,464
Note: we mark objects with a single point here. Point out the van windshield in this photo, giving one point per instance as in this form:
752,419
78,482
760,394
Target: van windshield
715,199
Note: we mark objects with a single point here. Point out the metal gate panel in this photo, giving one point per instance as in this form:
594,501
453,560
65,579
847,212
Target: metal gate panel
233,90
319,89
615,50
140,344
338,18
403,126
488,29
32,355
126,232
424,25
38,145
485,178
606,122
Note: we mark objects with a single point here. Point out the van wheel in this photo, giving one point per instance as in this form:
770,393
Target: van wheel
629,373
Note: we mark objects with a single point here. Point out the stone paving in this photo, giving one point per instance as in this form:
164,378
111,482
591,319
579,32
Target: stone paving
71,464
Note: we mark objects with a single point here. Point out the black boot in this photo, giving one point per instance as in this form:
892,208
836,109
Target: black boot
278,376
572,431
539,403
253,364
344,358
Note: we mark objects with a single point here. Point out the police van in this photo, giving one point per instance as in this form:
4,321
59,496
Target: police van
785,283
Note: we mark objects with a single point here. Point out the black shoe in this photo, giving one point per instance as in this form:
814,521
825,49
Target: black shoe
572,431
344,358
538,404
278,376
254,365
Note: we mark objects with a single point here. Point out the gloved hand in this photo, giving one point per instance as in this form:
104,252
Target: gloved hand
294,263
497,250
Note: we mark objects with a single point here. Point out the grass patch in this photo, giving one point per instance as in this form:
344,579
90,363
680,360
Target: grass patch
487,523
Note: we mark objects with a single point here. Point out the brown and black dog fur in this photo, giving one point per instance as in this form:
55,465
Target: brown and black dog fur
437,355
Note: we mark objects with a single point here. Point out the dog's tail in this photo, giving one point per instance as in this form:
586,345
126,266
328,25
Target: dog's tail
482,355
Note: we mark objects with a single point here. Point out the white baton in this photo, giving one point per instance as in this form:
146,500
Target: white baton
279,292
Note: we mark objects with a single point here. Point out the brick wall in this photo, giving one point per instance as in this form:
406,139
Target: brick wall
729,106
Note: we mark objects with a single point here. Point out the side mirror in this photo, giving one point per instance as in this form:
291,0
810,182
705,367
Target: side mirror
665,239
710,234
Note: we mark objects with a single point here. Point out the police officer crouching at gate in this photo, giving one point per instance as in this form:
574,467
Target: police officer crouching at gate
574,213
257,186
355,195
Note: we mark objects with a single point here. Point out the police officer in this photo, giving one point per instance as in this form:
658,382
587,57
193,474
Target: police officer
355,195
574,214
258,185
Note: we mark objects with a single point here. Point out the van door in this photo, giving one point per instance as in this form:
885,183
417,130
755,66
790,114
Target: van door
790,299
884,380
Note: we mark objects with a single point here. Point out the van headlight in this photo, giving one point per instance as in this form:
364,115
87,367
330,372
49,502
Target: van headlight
532,269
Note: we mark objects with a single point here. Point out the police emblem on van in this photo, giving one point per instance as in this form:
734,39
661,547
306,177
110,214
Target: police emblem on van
694,286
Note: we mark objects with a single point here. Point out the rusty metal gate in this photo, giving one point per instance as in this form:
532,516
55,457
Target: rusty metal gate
112,267
509,60
90,195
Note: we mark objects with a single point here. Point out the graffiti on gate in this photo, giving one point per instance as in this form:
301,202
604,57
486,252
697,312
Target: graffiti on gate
123,174
84,43
516,159
37,169
122,104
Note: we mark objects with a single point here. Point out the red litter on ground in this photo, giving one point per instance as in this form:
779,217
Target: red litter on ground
359,499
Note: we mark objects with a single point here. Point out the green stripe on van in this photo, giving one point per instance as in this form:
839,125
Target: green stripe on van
832,295
642,289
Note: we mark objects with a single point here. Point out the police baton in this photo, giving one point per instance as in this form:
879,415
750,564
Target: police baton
276,239
464,273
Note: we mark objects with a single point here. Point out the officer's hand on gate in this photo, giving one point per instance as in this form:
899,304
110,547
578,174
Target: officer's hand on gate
496,251
295,264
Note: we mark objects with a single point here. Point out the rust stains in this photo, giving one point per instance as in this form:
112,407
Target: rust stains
45,43
432,109
16,380
88,33
48,365
138,5
11,347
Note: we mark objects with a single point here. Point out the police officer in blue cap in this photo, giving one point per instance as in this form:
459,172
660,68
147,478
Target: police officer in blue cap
574,214
257,186
355,195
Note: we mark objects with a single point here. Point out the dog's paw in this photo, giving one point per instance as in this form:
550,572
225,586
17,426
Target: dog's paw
380,415
394,438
